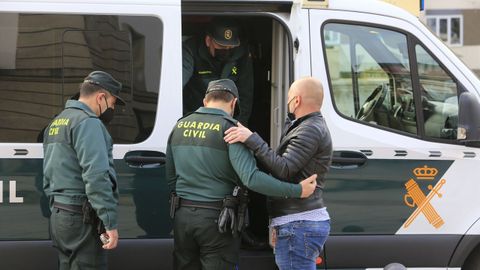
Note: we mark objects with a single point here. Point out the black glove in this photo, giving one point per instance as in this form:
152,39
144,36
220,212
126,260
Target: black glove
242,210
227,215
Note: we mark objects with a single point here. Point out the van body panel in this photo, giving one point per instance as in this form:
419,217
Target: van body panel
407,191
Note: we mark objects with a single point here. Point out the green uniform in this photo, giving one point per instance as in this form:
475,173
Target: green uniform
202,167
199,68
78,165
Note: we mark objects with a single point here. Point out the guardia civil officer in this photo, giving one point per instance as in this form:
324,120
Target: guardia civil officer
217,54
79,176
203,170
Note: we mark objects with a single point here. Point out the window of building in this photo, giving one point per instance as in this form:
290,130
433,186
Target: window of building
46,57
448,28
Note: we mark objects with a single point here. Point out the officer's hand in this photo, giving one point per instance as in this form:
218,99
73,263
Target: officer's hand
237,134
308,186
112,239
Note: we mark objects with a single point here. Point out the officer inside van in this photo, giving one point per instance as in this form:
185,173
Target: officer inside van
216,55
79,177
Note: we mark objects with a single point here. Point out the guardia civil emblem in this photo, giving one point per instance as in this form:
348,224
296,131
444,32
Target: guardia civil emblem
415,198
228,34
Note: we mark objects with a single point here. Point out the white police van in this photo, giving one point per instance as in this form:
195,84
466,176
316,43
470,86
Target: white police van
402,109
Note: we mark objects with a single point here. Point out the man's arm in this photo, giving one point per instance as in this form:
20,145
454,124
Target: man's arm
298,153
245,88
170,166
187,64
92,153
244,164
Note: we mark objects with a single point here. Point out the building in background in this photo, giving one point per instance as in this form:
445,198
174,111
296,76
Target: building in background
457,23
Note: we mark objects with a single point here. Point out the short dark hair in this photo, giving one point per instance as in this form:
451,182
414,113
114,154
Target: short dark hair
219,95
87,89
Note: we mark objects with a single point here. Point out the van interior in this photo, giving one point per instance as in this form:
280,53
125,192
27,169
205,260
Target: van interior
268,46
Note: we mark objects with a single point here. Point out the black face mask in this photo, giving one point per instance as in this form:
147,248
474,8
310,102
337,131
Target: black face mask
107,115
290,115
222,55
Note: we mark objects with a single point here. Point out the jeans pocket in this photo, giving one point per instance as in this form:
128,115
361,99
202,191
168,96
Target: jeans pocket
314,238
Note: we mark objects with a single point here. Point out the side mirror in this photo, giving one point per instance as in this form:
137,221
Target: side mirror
469,120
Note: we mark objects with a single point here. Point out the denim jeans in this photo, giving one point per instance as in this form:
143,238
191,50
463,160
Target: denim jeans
299,243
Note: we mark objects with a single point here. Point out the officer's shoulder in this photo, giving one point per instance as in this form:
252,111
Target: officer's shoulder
186,115
230,120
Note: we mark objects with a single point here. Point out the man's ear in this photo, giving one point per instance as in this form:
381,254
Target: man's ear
207,41
204,102
100,96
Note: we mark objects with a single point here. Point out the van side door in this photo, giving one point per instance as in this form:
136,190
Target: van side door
46,51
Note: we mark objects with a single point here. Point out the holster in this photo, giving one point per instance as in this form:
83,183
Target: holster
90,217
174,204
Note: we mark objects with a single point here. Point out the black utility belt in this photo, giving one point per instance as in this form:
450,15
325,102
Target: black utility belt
216,205
69,207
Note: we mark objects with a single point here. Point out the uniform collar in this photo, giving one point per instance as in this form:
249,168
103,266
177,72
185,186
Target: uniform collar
79,105
212,111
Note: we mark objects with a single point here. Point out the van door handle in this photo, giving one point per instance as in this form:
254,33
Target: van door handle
348,159
145,159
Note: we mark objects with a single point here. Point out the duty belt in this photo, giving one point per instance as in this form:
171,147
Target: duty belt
216,205
68,207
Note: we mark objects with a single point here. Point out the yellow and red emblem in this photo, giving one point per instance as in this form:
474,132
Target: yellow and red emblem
416,198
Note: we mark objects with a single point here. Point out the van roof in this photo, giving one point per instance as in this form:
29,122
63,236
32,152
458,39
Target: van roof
364,6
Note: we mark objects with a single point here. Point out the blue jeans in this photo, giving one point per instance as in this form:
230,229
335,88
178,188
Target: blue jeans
299,243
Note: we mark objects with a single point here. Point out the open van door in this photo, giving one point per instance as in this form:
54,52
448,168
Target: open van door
401,185
47,48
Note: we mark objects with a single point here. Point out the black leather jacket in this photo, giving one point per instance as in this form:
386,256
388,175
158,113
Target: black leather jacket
305,148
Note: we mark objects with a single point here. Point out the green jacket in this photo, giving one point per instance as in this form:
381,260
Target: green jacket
201,166
199,68
78,162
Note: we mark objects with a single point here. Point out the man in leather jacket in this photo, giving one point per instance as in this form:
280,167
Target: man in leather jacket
305,148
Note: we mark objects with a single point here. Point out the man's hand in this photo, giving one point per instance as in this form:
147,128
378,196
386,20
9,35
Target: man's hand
237,134
308,186
112,239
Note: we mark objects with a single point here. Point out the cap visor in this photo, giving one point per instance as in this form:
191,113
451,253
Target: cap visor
119,101
234,43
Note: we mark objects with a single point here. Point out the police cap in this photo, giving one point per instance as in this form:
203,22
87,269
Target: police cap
223,85
224,32
107,82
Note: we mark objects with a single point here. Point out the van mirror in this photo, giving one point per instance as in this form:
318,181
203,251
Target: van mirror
469,120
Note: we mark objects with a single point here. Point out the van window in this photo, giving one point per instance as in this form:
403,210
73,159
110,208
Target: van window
439,97
44,58
370,75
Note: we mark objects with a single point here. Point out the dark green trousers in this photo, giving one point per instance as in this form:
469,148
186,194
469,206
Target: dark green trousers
199,245
78,244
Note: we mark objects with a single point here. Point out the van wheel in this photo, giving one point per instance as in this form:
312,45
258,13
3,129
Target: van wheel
473,260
